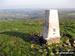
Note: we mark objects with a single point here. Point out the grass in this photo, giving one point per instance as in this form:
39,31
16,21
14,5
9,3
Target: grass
17,38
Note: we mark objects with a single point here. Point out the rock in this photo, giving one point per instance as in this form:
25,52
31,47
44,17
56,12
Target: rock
67,41
69,45
52,53
73,45
49,47
74,41
44,49
68,50
57,52
32,45
40,50
65,45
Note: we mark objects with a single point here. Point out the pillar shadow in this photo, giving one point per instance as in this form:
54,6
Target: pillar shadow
32,38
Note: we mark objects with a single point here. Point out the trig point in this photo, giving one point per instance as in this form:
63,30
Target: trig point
51,32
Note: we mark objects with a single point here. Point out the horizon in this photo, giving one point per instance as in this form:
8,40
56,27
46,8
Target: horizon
37,8
35,4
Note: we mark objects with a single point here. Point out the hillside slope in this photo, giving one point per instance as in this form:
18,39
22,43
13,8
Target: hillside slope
24,38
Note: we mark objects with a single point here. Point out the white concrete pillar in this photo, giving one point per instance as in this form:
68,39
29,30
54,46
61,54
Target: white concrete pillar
51,31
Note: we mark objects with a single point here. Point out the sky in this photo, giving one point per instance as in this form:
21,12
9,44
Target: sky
13,4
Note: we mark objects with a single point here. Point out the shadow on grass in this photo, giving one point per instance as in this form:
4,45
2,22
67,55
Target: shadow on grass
32,38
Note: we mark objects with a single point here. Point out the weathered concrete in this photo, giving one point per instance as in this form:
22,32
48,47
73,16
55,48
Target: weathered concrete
51,31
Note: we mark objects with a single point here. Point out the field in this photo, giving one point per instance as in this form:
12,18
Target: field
24,38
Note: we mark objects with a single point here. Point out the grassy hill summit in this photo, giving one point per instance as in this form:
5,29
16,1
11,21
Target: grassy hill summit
24,38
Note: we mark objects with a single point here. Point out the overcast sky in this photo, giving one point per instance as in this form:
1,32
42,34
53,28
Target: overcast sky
10,4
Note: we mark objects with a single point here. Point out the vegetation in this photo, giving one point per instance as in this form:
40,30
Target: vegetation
23,38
